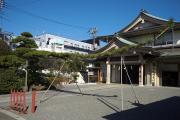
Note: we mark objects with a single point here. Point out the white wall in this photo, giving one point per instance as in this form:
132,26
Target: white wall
41,41
80,78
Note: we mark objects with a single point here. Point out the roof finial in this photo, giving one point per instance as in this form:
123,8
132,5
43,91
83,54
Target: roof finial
143,10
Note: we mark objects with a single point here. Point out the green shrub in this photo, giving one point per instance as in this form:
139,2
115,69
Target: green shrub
11,79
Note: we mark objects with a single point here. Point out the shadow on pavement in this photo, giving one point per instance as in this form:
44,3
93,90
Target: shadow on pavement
110,105
73,92
167,109
114,107
49,97
79,93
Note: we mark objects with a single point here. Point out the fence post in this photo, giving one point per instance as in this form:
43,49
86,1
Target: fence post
10,103
21,102
14,98
33,101
24,103
17,100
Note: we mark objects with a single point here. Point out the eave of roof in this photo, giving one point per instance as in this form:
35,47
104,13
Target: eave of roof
170,46
105,47
154,29
134,52
148,30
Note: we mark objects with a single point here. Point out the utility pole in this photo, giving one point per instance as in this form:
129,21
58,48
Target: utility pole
172,39
122,102
93,32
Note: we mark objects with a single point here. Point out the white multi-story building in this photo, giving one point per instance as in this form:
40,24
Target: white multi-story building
54,43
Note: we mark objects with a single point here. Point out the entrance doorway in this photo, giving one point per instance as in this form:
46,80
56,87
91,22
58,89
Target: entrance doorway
169,78
133,71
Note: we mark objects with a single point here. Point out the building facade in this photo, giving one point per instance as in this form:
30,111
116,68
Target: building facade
54,43
155,63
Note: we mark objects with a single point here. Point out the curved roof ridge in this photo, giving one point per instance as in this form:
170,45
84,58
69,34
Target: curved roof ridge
118,39
144,14
105,47
156,17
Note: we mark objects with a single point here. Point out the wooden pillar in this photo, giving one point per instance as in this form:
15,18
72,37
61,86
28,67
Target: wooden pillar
179,75
100,74
108,72
157,81
155,75
141,74
113,76
148,74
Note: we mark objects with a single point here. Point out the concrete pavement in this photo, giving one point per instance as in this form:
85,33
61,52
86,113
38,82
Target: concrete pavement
101,102
5,117
8,115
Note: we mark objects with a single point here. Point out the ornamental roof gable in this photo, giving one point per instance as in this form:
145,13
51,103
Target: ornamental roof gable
143,21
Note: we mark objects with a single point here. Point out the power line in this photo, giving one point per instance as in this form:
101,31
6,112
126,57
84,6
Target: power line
28,3
47,19
12,7
33,1
1,4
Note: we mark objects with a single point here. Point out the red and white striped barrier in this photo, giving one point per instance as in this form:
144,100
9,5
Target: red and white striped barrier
18,101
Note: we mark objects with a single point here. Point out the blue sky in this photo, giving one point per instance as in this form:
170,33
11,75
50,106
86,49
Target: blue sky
109,16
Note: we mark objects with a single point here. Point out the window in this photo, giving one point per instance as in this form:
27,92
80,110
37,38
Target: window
59,47
59,44
66,42
52,46
76,45
47,43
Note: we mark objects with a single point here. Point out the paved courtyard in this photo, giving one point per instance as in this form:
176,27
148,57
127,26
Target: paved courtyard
5,117
103,102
